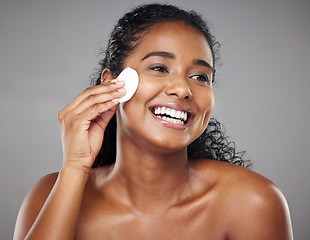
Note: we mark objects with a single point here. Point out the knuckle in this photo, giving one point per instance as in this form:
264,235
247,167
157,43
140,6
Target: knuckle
94,108
60,116
88,90
91,98
105,106
109,87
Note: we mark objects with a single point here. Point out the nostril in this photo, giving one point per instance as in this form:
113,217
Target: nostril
183,96
179,89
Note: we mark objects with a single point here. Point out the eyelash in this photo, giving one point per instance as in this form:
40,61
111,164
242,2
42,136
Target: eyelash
205,78
164,69
159,68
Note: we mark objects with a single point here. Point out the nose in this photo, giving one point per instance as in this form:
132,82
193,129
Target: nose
179,87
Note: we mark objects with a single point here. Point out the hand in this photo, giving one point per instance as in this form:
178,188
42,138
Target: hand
84,120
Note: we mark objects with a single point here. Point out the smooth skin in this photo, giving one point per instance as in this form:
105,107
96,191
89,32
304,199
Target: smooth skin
152,191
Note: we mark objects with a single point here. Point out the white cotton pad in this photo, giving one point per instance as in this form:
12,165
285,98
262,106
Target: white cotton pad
131,79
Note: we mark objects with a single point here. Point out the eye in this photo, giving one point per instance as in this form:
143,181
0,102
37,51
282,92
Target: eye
159,68
201,78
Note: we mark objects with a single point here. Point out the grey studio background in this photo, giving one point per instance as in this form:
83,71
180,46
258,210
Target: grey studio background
48,49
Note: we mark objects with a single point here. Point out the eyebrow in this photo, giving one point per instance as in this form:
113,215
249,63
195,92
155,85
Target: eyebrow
203,63
159,54
170,55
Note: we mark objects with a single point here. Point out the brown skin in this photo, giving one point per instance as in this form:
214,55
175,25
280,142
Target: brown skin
153,191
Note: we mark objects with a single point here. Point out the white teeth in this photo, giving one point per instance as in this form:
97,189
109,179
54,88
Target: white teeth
172,113
182,116
163,110
172,120
168,111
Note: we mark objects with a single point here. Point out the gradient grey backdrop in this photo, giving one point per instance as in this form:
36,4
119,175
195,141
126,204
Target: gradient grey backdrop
48,49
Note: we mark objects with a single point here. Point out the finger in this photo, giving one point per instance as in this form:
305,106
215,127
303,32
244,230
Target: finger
105,87
97,99
93,112
104,118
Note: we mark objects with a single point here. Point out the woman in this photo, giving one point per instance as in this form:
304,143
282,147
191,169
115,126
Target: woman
159,182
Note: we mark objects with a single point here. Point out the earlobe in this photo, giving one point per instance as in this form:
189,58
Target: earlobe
106,75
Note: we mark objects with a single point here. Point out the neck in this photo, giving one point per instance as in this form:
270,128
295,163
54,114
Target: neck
151,180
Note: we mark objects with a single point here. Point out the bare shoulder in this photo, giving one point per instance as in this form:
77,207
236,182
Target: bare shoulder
33,202
253,205
41,189
229,176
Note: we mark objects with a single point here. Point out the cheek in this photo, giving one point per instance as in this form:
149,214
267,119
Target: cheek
132,111
211,99
206,104
148,89
204,97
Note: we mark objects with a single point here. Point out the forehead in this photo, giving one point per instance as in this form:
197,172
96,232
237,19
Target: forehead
176,37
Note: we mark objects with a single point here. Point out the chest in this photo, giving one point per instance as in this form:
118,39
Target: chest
174,224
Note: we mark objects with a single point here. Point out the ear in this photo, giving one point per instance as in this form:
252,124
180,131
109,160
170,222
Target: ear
106,75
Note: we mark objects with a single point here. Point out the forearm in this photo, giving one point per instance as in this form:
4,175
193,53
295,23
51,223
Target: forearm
59,215
51,208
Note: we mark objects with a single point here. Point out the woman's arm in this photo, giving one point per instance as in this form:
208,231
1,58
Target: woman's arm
51,209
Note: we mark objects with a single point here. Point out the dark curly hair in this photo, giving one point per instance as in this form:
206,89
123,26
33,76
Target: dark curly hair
127,34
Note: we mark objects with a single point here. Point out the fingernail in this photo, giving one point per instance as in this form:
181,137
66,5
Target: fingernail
121,90
117,82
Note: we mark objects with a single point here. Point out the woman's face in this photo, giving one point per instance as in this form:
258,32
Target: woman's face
174,100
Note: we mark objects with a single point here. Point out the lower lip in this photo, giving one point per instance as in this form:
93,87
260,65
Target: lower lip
170,124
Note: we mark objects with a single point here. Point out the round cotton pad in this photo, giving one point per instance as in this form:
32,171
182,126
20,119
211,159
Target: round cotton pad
131,79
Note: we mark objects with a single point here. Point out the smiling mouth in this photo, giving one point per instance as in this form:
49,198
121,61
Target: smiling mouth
172,115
